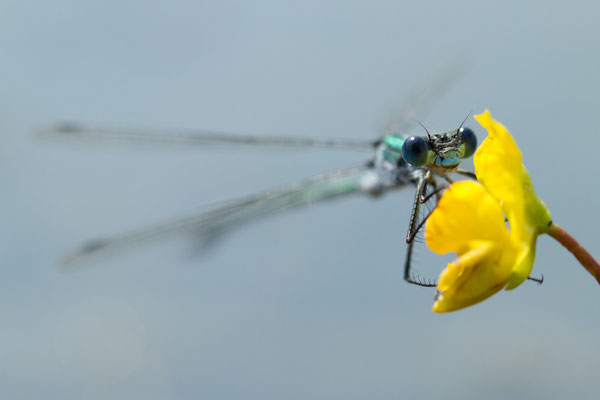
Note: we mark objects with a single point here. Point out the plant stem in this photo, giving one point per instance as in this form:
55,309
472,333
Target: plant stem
580,253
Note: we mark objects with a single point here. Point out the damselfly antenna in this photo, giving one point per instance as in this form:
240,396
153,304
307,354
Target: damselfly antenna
428,134
465,120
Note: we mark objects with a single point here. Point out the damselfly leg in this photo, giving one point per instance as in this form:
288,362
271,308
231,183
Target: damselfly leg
422,197
414,226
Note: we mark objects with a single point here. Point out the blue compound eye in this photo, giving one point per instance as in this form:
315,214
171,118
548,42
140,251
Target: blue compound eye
414,151
469,140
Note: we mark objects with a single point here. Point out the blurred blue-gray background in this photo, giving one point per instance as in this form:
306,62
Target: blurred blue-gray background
307,305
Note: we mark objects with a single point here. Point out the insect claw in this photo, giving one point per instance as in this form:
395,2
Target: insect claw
537,280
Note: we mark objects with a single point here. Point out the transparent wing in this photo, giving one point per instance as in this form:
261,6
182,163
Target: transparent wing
421,97
78,132
207,225
414,106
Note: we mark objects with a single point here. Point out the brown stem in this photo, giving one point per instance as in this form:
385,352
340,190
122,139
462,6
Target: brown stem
576,249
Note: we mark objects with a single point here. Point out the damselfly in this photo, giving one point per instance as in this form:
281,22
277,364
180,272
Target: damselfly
397,161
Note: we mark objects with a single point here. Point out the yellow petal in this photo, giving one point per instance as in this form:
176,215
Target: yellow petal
473,277
498,163
461,268
499,169
466,212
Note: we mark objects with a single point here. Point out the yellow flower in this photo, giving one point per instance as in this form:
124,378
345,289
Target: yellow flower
469,220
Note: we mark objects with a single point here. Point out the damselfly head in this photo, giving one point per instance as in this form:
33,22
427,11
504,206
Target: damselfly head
449,148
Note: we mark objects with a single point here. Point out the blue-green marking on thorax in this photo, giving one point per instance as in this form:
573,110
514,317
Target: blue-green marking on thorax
449,160
392,153
394,141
